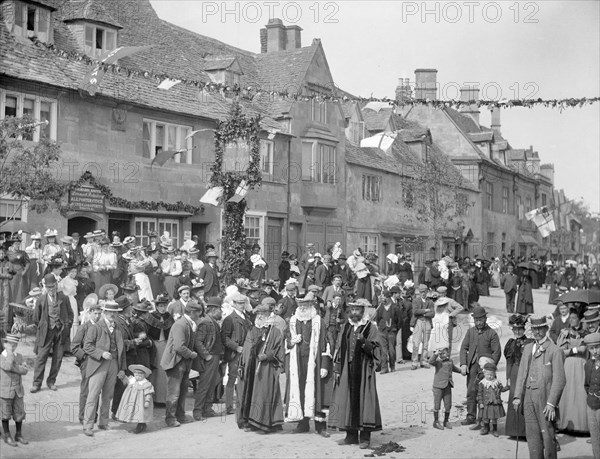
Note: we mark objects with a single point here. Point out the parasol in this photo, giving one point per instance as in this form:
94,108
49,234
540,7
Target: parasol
581,296
14,226
528,265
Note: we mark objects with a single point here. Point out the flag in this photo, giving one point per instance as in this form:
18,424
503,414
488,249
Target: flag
164,156
212,195
240,192
168,84
93,78
531,214
193,133
544,221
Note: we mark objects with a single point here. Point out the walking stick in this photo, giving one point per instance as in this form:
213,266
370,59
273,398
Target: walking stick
517,425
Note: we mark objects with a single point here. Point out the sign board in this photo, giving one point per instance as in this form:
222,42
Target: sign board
187,235
236,156
86,199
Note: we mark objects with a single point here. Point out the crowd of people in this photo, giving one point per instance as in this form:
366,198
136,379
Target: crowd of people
146,323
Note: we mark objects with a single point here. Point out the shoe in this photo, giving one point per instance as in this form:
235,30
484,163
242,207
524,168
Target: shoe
81,421
447,425
485,430
8,439
495,433
348,441
384,371
140,428
35,389
477,426
185,420
324,434
414,367
365,445
299,431
392,369
88,432
52,387
20,439
104,427
467,422
114,417
437,425
401,362
173,424
557,446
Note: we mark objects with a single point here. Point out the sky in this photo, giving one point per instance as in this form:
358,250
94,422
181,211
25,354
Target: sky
544,49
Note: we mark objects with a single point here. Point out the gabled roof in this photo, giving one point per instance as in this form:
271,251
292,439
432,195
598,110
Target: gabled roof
222,63
377,120
464,122
47,3
88,10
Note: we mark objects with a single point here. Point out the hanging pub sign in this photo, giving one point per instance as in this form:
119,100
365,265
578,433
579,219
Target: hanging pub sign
236,156
86,198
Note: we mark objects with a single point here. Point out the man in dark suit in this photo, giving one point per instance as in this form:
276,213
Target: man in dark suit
288,302
210,274
540,383
233,334
330,291
177,362
323,273
105,348
479,340
509,283
210,352
53,315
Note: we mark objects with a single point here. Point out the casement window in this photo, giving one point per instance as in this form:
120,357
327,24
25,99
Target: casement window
369,243
143,225
371,188
319,111
11,209
489,196
99,40
31,21
505,199
319,162
158,136
253,226
357,131
37,108
266,157
471,173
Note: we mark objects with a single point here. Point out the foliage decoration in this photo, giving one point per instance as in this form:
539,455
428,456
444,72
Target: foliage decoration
155,206
236,128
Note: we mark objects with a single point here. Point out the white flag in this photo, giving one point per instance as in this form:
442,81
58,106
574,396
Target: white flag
531,214
212,195
168,84
240,192
544,222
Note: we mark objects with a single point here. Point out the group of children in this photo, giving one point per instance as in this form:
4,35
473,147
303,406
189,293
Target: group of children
489,391
136,405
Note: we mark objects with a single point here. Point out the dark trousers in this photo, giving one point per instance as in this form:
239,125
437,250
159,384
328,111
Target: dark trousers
510,301
53,343
442,394
101,388
232,370
472,391
83,390
539,431
177,386
387,340
405,335
203,396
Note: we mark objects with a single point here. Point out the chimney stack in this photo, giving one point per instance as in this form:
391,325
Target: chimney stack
293,37
468,94
496,121
547,170
263,41
426,84
276,35
403,91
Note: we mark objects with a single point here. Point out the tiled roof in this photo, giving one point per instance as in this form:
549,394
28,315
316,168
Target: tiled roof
88,10
377,120
218,63
464,122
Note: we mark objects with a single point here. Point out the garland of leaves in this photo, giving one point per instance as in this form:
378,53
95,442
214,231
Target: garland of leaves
155,206
237,127
250,92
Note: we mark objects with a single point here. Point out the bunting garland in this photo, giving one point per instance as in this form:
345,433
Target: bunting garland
166,82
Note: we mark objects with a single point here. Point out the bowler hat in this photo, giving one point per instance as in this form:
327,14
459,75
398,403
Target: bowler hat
111,306
591,315
395,289
141,368
593,339
478,312
12,338
538,321
49,280
214,302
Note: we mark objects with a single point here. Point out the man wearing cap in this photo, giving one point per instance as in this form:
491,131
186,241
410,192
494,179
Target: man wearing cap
177,362
81,357
323,272
309,364
591,320
210,352
591,385
540,384
210,274
177,307
104,345
356,406
233,334
479,340
259,404
289,303
12,369
343,269
387,318
423,311
53,315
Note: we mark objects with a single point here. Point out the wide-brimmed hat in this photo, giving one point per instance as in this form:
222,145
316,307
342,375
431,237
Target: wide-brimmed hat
269,283
479,312
102,290
141,368
111,306
517,321
442,300
56,261
123,302
36,236
66,240
211,254
88,235
193,251
360,302
538,321
144,306
51,233
197,284
35,291
11,338
593,339
89,301
129,240
591,315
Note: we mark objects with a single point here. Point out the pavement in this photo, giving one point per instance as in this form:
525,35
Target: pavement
406,401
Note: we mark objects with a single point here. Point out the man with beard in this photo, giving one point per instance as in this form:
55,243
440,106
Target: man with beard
259,395
479,340
307,366
356,405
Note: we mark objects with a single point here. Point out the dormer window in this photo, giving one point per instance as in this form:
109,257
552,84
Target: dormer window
31,20
224,70
99,40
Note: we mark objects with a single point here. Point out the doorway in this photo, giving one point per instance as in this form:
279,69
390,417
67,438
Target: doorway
120,223
81,225
272,250
200,230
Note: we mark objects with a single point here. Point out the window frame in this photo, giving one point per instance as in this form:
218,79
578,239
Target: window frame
318,173
318,114
505,199
154,224
271,147
93,51
369,240
38,100
21,29
179,137
371,187
489,196
9,200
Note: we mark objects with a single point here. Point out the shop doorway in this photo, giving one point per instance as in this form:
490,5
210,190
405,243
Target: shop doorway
200,229
81,225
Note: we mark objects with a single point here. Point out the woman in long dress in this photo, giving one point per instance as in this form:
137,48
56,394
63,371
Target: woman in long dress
104,262
36,262
573,401
524,295
439,332
171,269
50,250
495,270
159,324
154,272
138,263
513,351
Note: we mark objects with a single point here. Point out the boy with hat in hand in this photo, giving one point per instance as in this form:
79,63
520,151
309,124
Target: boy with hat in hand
592,389
442,385
12,406
540,384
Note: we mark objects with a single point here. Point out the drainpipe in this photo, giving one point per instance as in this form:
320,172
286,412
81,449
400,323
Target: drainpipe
289,195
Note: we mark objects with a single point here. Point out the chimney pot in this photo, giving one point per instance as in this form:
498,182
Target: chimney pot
276,35
293,37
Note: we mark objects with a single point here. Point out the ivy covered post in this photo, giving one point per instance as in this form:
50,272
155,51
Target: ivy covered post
236,131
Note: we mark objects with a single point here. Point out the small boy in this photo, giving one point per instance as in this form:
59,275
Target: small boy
480,375
592,388
11,389
442,385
